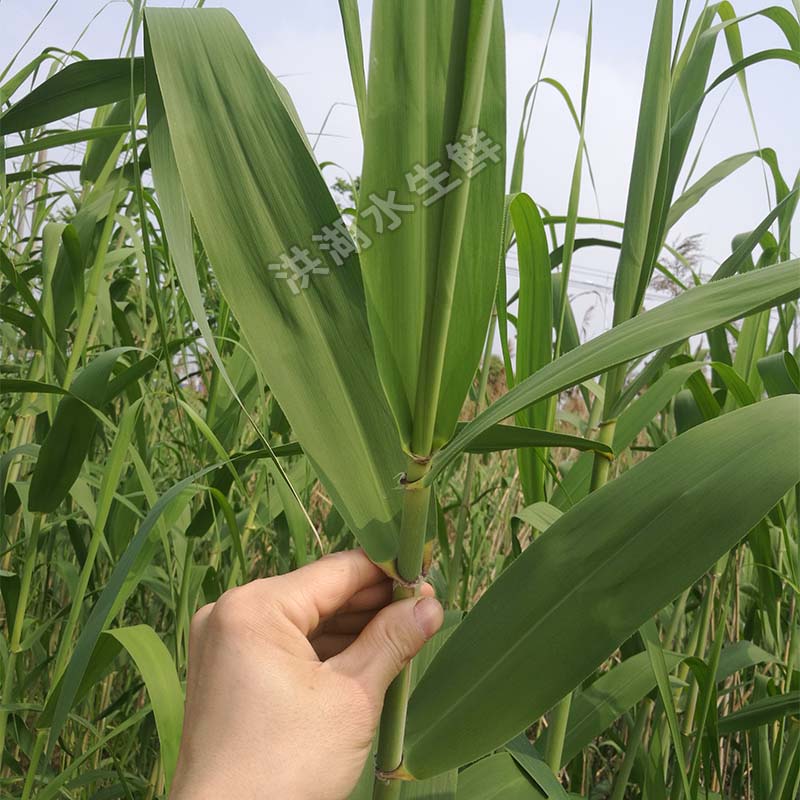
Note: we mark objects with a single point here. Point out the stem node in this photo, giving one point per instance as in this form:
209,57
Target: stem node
398,774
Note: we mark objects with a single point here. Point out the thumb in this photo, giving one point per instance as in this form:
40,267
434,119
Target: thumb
390,641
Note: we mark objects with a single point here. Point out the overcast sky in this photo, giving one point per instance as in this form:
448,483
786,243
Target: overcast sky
302,42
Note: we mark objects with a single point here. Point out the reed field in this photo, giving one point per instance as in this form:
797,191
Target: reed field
217,366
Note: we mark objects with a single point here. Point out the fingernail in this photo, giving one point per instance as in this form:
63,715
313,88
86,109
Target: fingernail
429,615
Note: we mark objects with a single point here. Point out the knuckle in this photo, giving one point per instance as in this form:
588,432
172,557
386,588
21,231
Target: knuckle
338,567
230,611
199,618
285,599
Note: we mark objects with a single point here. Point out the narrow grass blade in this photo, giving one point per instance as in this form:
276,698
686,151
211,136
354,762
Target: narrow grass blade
534,329
595,708
760,712
82,85
157,669
694,311
650,135
351,25
498,777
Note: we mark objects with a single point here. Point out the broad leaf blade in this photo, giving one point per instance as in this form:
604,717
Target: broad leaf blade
255,193
67,443
779,373
430,279
595,576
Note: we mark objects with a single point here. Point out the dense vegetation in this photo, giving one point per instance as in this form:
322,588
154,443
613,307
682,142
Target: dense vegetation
212,372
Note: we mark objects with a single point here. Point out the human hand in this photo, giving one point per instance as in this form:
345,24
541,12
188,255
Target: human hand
286,681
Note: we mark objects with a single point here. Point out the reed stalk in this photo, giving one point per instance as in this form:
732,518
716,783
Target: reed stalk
31,551
413,529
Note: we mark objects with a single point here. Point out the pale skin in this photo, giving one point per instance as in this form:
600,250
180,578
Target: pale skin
286,681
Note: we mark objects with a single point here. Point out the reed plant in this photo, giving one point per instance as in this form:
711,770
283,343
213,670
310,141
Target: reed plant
212,371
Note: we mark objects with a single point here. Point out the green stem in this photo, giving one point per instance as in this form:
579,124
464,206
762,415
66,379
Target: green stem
602,462
558,733
182,614
632,748
416,500
708,608
596,410
38,748
8,696
454,573
249,525
393,724
675,621
19,621
786,765
679,788
761,750
708,696
682,675
77,603
792,646
386,790
25,582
